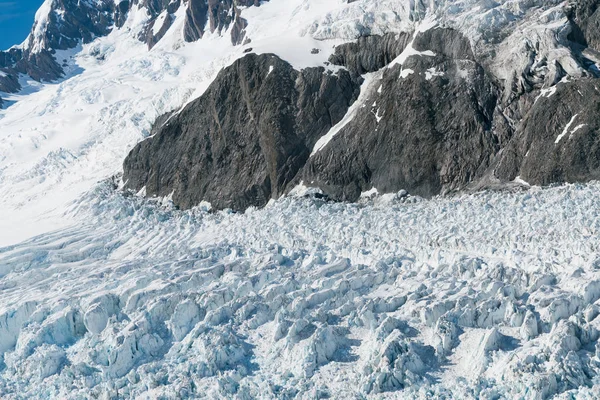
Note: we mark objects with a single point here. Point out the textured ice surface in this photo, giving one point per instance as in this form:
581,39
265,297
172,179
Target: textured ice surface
492,295
485,296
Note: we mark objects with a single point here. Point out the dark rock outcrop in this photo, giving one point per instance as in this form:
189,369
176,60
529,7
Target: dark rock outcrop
196,16
152,38
244,140
8,82
161,13
370,53
238,30
73,21
562,145
428,129
434,123
219,15
9,78
585,18
39,66
449,44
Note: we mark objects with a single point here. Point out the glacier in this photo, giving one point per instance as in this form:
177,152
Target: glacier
492,295
104,294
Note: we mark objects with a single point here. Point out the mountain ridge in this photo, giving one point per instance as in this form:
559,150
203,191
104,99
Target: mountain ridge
522,51
64,24
431,140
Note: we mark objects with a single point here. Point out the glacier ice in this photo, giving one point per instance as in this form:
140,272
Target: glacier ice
453,297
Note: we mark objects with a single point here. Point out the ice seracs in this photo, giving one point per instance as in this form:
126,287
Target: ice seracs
450,296
486,295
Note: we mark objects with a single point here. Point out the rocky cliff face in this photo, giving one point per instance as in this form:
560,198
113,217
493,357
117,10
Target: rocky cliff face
218,16
244,141
585,17
559,139
434,116
426,126
370,53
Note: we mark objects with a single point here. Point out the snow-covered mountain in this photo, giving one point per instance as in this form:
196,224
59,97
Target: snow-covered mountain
452,96
64,24
126,125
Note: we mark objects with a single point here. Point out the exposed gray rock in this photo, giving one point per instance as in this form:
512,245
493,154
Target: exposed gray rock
244,140
238,32
196,16
585,17
427,130
435,124
10,57
214,15
219,15
444,42
156,8
39,66
8,82
151,38
121,12
370,53
80,21
8,61
558,140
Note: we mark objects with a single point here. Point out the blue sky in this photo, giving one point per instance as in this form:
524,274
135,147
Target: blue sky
16,19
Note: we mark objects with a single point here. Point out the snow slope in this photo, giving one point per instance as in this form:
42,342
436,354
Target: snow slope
104,295
59,140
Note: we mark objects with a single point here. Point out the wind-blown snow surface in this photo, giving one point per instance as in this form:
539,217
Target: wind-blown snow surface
484,296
